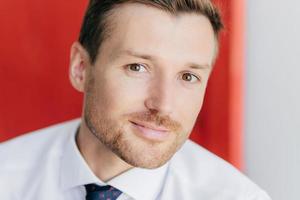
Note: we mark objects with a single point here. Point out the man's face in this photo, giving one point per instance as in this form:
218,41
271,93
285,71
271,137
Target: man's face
146,88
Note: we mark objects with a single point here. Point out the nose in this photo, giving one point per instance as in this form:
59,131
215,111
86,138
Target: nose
161,98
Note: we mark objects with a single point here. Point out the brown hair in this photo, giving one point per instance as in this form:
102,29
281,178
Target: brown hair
95,27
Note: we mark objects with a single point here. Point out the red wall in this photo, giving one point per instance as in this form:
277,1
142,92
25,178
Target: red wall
220,123
35,91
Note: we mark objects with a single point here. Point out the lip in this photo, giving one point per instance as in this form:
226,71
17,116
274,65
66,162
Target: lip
150,131
150,126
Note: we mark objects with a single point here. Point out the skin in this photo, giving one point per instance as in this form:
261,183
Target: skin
150,75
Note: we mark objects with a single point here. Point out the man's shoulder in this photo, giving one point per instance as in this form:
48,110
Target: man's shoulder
195,161
26,149
204,171
32,158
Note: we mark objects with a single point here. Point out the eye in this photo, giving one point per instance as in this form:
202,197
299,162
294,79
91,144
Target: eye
136,67
190,77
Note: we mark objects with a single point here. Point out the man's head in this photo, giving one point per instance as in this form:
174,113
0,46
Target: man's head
143,67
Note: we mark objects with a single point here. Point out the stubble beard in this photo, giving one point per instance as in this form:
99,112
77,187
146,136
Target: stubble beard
134,151
117,135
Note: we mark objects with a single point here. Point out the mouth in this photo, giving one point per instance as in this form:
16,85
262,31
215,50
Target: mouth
150,132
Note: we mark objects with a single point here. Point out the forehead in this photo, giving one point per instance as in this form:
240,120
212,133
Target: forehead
148,30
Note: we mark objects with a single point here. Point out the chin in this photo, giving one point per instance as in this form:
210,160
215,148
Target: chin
145,155
147,163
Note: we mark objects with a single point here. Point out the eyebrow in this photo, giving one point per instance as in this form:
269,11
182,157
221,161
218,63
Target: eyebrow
198,66
136,54
192,65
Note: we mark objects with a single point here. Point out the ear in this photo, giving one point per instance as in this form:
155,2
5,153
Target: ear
79,63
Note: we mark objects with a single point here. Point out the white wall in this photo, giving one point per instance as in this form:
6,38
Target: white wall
273,96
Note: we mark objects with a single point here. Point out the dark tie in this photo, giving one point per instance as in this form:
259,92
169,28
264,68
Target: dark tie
96,192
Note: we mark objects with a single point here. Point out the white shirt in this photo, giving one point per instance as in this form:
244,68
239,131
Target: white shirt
47,165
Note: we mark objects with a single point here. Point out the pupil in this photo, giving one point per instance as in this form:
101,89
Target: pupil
135,67
187,77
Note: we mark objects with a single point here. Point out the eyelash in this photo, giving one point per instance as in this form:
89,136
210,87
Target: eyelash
193,75
136,64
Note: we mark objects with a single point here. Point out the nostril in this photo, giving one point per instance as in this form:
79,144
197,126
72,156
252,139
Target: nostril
153,111
160,101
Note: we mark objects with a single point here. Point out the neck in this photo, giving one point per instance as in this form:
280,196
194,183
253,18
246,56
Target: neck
102,161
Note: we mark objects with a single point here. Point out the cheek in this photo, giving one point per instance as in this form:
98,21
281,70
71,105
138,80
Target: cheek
190,108
120,96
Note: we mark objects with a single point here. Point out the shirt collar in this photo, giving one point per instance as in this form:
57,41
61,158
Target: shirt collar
141,183
138,183
74,170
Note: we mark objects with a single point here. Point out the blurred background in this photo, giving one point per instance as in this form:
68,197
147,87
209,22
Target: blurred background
272,117
250,114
